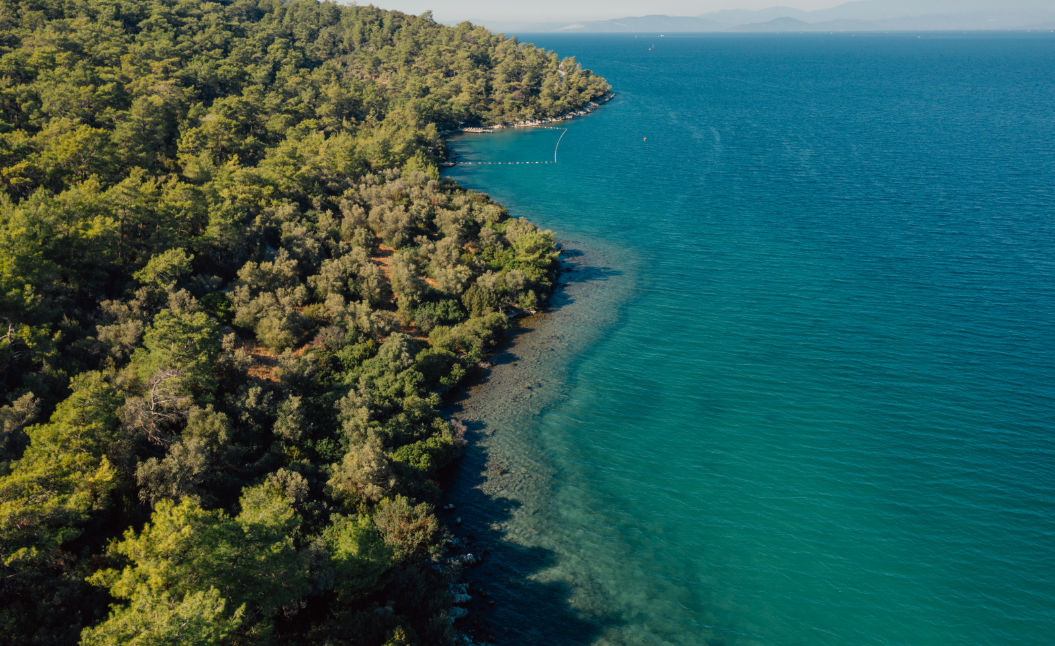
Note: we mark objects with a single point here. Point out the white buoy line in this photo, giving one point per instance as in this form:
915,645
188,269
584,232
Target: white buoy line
522,163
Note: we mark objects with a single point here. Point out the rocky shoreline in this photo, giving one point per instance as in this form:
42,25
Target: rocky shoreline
532,336
590,106
471,602
500,478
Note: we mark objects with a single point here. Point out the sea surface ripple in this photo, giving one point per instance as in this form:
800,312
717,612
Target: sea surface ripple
802,391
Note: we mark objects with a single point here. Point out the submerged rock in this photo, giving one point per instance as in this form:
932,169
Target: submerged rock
457,613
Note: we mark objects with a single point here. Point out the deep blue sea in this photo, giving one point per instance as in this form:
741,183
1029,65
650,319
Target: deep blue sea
806,395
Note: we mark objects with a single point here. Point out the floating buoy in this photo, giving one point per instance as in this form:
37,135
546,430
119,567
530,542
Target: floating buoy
645,139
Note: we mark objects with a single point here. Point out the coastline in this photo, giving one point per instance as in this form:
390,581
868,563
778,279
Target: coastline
502,485
500,489
591,105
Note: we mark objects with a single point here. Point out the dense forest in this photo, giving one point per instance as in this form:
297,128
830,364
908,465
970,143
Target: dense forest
232,290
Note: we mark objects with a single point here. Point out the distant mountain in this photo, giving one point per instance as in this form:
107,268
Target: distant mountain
864,15
939,22
654,23
775,25
748,16
517,27
881,10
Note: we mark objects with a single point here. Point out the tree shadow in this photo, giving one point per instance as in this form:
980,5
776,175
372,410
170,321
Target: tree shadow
509,605
575,275
576,272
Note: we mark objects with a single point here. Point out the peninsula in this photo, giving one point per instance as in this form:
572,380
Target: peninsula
232,289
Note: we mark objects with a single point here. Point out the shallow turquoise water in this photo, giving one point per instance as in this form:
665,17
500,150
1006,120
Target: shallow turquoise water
822,409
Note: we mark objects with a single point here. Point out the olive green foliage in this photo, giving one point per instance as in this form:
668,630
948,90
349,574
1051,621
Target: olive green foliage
232,290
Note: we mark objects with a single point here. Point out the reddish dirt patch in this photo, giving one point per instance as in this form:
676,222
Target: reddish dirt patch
384,260
264,362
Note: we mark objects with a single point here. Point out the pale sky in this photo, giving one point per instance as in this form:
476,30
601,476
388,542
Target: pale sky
558,10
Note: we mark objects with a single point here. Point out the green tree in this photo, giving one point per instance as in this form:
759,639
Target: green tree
50,498
187,342
409,529
65,474
198,619
166,268
242,570
358,554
